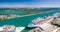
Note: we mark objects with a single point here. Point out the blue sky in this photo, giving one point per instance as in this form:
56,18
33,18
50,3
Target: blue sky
29,3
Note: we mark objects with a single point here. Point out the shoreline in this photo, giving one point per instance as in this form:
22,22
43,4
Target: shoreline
33,14
26,15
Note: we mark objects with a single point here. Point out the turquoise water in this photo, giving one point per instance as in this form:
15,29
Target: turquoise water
16,12
24,21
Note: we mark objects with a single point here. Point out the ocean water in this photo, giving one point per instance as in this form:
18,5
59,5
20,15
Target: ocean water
24,21
15,12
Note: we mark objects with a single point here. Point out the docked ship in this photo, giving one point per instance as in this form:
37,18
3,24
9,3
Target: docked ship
46,27
45,24
39,21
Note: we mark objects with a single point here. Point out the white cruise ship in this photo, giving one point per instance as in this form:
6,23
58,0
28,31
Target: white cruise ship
39,21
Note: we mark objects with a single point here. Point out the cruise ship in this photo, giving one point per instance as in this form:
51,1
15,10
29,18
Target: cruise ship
39,21
46,24
46,27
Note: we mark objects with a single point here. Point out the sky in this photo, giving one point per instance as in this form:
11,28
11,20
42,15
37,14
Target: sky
29,3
